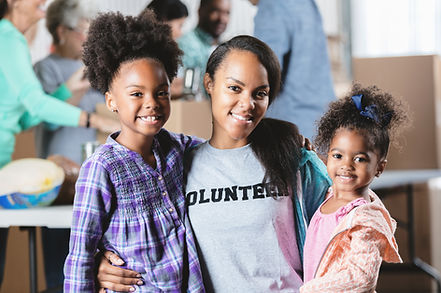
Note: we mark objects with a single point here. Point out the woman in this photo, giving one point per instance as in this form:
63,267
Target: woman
68,22
250,189
23,103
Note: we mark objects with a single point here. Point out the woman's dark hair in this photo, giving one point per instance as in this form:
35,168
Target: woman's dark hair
276,143
3,8
379,118
167,10
114,39
251,44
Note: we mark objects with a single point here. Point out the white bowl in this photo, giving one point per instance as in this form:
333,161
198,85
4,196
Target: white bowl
27,183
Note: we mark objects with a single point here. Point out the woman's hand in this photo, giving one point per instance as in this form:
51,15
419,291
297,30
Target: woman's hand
104,124
78,86
114,278
306,143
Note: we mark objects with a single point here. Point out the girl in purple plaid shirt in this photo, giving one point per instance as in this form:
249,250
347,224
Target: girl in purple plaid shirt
129,194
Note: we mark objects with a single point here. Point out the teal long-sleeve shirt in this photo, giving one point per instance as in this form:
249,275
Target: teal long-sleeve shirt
23,102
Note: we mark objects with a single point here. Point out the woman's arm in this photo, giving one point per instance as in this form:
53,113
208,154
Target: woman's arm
359,271
22,83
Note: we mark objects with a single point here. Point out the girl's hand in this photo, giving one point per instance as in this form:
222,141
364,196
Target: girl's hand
114,278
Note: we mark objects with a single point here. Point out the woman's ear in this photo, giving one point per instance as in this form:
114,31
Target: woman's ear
208,83
60,34
110,103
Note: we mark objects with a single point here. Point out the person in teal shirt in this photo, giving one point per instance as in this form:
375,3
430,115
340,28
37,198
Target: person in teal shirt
23,103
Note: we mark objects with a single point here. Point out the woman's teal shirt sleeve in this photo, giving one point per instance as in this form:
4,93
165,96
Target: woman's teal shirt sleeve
62,93
315,182
23,84
311,192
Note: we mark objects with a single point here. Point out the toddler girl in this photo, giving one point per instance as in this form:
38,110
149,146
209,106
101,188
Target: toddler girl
129,194
352,232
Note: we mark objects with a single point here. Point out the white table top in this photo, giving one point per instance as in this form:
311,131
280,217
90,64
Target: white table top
394,178
51,217
61,216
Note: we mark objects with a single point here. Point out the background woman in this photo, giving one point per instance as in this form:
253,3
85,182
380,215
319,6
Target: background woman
250,189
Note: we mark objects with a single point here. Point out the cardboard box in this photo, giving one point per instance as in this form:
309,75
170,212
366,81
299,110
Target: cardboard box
417,79
189,117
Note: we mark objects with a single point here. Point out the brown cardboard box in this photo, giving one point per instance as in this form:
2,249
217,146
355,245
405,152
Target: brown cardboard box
417,79
189,117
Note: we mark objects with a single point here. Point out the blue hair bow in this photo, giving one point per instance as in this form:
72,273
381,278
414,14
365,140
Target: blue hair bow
368,111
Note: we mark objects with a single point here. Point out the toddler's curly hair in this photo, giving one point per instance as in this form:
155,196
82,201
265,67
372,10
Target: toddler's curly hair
391,118
114,39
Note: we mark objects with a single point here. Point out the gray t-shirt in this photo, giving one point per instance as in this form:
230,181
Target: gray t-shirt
245,235
50,139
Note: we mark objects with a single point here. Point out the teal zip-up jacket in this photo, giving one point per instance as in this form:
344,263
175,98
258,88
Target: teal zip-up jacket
315,183
23,103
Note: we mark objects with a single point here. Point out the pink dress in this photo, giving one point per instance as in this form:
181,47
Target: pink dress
319,233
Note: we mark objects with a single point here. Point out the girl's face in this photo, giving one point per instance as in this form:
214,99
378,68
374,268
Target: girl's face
239,97
139,93
176,27
351,165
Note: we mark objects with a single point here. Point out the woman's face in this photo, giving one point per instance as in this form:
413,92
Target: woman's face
31,10
239,97
72,39
176,26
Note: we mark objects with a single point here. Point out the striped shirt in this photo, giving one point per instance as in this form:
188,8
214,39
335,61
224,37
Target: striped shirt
123,205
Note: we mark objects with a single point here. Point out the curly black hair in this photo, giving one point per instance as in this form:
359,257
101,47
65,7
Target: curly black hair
114,39
391,117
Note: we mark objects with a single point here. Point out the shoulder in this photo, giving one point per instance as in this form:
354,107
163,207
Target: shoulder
168,140
187,37
11,38
310,158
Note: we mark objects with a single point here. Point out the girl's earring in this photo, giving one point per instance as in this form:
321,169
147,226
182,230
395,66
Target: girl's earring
114,111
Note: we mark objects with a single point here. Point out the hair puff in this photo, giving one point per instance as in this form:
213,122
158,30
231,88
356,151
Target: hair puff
114,39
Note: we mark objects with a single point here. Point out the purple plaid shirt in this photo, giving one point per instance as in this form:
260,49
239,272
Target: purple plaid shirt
124,205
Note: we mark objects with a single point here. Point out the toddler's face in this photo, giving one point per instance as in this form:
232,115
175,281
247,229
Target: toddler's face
140,94
351,165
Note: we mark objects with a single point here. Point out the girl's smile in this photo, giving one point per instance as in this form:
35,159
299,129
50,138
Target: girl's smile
140,95
351,165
